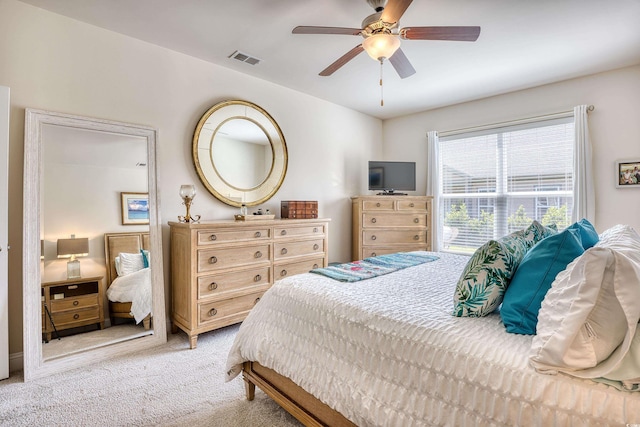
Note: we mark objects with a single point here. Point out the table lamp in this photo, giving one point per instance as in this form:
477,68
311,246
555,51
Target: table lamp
73,248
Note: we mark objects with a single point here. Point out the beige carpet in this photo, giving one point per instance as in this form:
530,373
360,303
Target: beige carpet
167,386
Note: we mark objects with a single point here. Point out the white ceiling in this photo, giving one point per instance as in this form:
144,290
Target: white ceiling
522,43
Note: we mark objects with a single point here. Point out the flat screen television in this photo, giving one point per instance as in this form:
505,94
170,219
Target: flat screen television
391,177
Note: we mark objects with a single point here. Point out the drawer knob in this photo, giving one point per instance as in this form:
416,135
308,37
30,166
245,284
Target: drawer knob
416,220
76,316
213,312
257,278
213,260
258,254
315,247
213,237
416,237
76,302
411,205
315,229
374,254
283,251
256,301
377,205
373,237
315,265
213,286
258,234
283,233
283,273
373,220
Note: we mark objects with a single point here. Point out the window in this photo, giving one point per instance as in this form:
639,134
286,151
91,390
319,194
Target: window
495,181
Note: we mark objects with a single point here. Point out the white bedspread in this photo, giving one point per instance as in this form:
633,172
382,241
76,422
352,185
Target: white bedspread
134,288
387,352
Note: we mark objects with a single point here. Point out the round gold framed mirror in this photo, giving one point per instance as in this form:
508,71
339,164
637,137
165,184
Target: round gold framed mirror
239,153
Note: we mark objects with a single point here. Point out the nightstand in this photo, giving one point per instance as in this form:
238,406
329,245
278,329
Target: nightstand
72,303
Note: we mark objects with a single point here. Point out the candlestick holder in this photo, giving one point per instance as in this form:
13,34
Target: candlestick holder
188,192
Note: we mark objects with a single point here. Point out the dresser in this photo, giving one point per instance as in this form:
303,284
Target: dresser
221,269
388,224
71,303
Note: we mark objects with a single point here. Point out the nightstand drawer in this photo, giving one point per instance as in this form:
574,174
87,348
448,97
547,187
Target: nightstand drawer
381,237
219,310
370,220
85,316
238,281
291,249
216,259
289,269
74,303
209,237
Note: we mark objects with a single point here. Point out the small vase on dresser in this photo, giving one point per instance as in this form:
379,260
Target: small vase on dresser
221,269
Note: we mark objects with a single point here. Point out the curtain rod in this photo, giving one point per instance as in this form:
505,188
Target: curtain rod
558,115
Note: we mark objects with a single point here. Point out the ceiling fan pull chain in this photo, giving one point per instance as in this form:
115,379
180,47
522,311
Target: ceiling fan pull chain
381,94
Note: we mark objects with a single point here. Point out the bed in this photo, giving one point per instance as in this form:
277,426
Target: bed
129,294
388,351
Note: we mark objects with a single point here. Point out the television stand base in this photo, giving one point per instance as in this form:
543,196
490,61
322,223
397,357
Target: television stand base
391,193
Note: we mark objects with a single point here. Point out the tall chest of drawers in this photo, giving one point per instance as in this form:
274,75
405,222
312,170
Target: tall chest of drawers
388,224
221,269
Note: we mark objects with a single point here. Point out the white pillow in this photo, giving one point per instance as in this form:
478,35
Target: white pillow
116,261
589,316
130,263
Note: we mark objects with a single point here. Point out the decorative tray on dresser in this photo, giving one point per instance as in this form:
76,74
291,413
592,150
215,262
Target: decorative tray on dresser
388,224
220,269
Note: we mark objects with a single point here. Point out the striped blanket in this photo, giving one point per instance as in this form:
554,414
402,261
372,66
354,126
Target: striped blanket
374,266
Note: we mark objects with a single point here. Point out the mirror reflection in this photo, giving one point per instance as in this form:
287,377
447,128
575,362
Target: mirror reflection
239,153
84,172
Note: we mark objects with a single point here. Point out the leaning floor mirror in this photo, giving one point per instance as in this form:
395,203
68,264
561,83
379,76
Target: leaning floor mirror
93,285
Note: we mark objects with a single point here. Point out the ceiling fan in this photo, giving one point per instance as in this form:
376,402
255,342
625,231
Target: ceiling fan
382,36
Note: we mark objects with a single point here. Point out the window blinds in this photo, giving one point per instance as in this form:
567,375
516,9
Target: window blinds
497,180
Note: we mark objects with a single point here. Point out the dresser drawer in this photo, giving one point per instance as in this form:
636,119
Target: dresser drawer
73,303
370,220
84,316
210,312
222,284
307,230
372,251
378,205
381,237
209,237
289,269
412,205
291,249
219,258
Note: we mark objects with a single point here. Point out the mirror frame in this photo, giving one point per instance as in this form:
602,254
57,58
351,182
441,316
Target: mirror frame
34,364
216,116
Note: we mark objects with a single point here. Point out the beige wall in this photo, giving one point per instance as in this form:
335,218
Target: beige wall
54,63
614,127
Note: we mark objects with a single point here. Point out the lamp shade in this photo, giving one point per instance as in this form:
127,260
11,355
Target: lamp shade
381,46
70,248
187,191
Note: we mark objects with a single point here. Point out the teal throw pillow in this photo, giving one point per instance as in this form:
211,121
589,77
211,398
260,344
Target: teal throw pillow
588,233
534,277
145,258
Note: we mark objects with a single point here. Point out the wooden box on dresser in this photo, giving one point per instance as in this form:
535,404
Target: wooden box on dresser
220,269
388,224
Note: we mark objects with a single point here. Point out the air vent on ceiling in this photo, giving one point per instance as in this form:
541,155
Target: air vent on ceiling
241,56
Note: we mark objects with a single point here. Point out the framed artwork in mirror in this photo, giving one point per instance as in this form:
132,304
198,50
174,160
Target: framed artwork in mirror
134,208
628,173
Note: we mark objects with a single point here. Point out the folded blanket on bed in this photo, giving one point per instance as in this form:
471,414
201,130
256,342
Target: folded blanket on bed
373,266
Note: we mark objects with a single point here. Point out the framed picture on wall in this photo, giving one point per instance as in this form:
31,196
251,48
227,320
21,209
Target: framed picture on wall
628,173
134,208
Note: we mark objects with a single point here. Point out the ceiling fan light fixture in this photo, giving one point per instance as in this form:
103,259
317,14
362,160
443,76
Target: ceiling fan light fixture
381,46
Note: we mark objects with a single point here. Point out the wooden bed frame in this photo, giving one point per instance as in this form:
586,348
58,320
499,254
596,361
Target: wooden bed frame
114,244
305,407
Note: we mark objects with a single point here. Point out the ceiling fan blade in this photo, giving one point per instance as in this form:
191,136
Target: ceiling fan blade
401,64
394,10
342,60
464,34
326,30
